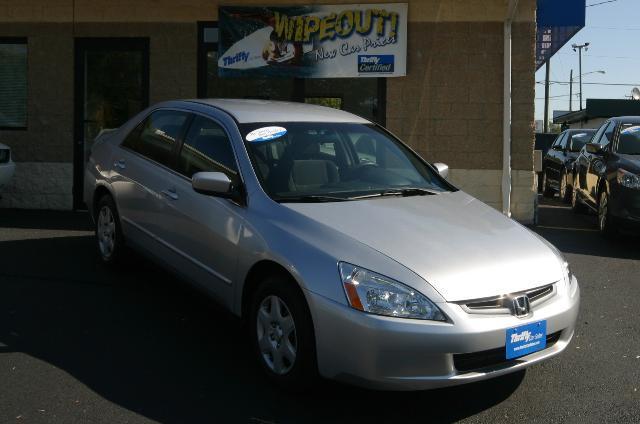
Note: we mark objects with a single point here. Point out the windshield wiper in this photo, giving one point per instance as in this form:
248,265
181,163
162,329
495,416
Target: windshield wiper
311,199
405,192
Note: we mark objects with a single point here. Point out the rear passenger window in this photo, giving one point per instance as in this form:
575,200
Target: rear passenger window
155,138
207,148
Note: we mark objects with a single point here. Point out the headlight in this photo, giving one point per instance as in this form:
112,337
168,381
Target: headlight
628,179
374,293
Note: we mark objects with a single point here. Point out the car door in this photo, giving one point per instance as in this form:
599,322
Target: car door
584,160
203,229
552,160
563,154
597,164
142,174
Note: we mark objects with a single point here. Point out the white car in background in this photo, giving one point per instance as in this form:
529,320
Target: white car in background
7,167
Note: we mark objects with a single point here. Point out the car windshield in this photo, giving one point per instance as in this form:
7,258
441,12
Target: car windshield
578,140
629,143
312,161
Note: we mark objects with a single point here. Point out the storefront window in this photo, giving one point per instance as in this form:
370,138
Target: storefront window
13,83
362,96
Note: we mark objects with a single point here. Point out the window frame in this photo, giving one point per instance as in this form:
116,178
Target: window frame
173,169
173,155
182,140
610,141
616,141
25,41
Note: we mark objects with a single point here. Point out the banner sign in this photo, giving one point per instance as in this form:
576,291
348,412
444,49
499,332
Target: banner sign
315,41
558,22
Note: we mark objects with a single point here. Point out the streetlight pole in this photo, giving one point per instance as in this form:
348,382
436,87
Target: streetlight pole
578,48
571,91
545,125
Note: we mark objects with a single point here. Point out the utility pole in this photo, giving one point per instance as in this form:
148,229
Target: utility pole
546,97
578,48
571,91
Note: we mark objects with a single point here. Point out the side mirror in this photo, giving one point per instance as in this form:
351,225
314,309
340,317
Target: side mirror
557,147
442,169
595,149
211,183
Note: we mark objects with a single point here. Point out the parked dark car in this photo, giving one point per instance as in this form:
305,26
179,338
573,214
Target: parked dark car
557,166
607,175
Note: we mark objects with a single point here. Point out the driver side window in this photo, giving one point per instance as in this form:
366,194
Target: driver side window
607,135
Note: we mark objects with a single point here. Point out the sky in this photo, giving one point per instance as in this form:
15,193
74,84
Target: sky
613,31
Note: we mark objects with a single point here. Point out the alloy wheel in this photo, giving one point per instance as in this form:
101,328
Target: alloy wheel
106,232
603,210
563,187
276,333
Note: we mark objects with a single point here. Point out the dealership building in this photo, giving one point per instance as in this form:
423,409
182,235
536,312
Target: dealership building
71,68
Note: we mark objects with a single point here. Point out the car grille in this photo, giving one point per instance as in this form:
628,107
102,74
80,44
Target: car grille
5,155
466,362
501,304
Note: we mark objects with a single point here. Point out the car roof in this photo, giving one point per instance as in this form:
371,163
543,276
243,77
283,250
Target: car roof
581,130
627,119
248,111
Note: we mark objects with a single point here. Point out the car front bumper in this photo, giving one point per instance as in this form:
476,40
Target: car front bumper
387,353
625,207
6,172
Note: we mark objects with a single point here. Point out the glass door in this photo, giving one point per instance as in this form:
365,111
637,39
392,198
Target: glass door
112,85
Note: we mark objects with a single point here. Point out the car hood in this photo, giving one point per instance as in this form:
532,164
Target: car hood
462,247
630,162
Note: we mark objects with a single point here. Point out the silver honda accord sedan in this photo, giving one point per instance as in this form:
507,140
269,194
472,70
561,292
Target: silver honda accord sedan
348,256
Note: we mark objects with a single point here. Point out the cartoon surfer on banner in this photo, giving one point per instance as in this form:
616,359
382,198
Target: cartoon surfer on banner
261,48
278,50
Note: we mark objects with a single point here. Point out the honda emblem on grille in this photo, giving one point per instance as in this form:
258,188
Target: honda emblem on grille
521,306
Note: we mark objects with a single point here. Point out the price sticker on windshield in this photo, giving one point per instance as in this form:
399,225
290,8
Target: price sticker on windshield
265,134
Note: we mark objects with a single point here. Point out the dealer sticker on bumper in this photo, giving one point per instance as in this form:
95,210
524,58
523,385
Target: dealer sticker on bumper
526,339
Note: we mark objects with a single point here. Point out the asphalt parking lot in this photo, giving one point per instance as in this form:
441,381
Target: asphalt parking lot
80,343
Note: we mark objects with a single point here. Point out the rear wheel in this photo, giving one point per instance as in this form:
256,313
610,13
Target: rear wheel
606,225
109,240
546,190
282,334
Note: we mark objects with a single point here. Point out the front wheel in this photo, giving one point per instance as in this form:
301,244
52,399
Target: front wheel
282,334
565,189
547,191
576,204
606,225
109,240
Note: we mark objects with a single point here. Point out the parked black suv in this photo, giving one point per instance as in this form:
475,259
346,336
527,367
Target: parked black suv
557,166
607,175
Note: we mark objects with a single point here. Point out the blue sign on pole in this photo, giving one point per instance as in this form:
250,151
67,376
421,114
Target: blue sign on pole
558,22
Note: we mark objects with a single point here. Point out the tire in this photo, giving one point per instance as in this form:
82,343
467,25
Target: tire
565,188
108,231
576,205
606,224
546,190
281,333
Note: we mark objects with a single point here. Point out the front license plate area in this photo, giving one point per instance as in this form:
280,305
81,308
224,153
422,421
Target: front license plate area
526,339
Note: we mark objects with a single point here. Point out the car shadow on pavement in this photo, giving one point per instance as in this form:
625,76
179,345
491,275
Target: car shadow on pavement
145,341
578,233
45,220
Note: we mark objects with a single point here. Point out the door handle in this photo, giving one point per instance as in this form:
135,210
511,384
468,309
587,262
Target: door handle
120,164
170,193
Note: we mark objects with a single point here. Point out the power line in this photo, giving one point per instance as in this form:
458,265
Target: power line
602,2
614,28
615,84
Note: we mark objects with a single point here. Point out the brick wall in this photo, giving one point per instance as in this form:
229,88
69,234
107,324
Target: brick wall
449,108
